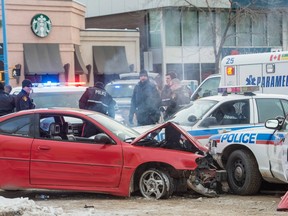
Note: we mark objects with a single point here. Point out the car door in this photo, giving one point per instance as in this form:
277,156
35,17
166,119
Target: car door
16,137
277,145
229,116
77,163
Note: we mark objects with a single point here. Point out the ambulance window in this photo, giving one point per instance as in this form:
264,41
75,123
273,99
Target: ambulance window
268,108
285,106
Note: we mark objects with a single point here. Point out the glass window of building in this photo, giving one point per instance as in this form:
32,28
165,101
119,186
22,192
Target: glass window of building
230,39
190,28
274,29
206,21
155,28
244,31
173,27
259,36
192,72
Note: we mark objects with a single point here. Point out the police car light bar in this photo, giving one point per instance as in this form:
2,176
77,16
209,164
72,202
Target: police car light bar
237,89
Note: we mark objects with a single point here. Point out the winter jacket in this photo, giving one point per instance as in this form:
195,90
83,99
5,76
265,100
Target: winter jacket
99,100
145,103
7,103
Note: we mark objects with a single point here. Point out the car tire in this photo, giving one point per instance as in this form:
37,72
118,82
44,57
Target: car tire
156,184
243,174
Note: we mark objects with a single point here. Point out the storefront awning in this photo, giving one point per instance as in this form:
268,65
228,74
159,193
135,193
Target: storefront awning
42,59
80,67
110,60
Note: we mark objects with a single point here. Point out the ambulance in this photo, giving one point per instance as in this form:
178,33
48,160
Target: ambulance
269,71
253,155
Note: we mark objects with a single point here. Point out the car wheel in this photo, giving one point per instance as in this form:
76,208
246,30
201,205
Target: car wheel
156,184
244,177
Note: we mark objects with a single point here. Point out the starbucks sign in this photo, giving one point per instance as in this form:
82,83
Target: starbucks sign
41,25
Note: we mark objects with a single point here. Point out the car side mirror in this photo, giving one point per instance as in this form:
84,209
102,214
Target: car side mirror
209,121
192,118
103,138
272,124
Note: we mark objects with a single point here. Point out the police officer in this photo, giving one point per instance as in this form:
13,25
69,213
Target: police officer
22,100
98,99
7,103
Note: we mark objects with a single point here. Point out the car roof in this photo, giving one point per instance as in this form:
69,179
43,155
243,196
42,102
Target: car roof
229,97
134,75
43,89
56,110
117,82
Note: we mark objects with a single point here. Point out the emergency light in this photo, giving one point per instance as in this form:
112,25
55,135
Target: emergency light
230,71
51,84
238,89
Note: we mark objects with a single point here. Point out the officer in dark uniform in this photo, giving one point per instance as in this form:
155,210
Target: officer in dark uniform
7,103
22,100
98,99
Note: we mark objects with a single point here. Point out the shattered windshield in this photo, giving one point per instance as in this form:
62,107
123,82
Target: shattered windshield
190,115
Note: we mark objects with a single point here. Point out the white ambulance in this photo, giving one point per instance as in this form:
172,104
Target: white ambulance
269,71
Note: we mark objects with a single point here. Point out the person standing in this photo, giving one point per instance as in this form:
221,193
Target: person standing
179,98
23,100
145,102
8,88
7,103
166,91
98,99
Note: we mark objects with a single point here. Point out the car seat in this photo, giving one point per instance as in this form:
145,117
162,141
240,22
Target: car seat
230,115
54,131
67,132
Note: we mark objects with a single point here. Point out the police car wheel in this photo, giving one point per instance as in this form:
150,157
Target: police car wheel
156,184
244,177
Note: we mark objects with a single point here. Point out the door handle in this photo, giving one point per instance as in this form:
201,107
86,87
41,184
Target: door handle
44,148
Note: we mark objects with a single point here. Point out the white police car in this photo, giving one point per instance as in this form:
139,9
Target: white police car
253,155
228,112
46,95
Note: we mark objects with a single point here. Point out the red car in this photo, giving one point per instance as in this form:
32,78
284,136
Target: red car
71,149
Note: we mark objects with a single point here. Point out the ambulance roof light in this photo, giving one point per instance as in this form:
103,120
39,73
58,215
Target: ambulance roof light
237,89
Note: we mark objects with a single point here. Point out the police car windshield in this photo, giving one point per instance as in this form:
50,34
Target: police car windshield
198,109
120,90
56,99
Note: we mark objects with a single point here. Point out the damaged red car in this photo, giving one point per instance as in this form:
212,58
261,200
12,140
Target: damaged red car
80,150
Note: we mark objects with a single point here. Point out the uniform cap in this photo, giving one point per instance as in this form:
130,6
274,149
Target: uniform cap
99,85
26,82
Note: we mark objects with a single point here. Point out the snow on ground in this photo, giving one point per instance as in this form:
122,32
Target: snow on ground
24,206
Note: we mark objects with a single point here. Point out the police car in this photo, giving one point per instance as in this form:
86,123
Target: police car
253,155
222,113
50,94
122,91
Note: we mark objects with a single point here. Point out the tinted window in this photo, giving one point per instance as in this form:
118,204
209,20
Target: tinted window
17,126
120,90
269,108
233,112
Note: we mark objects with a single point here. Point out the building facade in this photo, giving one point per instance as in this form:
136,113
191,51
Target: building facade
48,41
176,35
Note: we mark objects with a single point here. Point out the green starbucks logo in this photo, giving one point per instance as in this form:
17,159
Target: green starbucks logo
41,25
